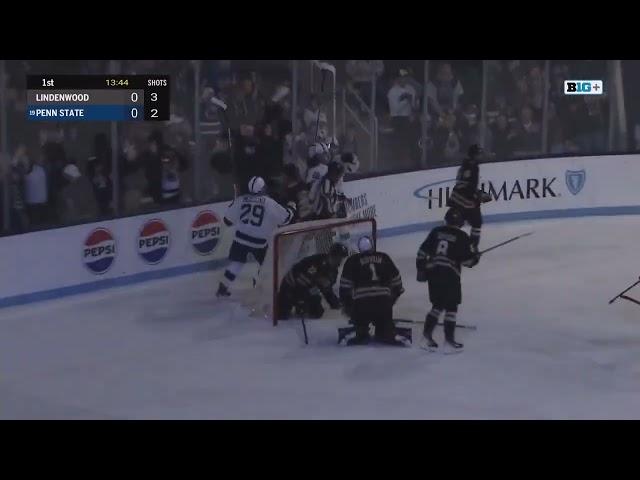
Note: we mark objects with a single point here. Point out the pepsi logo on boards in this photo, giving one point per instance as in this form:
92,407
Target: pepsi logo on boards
153,241
205,232
99,252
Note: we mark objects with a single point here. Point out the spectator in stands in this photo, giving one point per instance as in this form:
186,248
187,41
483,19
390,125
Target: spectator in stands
311,113
162,164
133,180
36,193
349,141
593,138
402,102
76,201
245,145
503,138
444,92
170,186
19,221
99,172
247,105
528,136
102,188
360,73
470,126
535,90
447,140
278,110
269,154
555,129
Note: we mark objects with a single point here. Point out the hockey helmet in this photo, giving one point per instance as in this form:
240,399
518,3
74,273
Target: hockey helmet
338,250
319,151
454,217
335,168
256,185
475,151
350,162
365,244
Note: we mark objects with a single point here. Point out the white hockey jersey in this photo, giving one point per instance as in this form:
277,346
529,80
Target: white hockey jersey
325,198
256,217
315,174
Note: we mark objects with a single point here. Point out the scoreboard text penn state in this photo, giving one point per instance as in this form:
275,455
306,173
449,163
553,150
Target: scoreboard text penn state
56,98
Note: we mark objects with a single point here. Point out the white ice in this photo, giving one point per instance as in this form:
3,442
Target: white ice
548,345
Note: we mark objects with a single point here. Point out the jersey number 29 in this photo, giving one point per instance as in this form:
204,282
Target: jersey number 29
257,214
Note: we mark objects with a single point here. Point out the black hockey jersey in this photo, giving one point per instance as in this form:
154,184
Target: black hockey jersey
444,250
465,191
313,272
370,274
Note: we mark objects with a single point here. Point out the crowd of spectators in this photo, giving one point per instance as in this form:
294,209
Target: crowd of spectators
515,104
62,173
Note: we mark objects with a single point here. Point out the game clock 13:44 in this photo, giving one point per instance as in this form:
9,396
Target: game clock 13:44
117,82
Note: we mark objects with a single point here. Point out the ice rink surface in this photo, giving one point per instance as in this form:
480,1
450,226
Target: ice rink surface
548,345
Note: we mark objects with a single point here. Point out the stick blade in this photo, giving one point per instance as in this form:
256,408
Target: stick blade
219,103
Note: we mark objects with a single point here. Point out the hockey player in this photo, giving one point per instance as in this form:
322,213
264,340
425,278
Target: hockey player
307,280
317,163
466,197
438,262
256,216
326,199
369,287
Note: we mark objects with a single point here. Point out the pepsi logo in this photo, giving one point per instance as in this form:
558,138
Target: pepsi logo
99,251
153,241
205,232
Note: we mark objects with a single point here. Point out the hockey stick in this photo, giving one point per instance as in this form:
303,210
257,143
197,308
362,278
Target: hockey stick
630,299
507,241
300,310
622,293
223,107
324,68
458,325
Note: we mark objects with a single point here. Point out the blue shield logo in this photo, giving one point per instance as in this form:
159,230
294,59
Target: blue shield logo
575,180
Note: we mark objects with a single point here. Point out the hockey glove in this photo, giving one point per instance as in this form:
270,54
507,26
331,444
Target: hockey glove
484,197
333,301
473,261
423,276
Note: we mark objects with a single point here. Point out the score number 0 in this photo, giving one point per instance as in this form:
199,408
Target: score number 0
134,111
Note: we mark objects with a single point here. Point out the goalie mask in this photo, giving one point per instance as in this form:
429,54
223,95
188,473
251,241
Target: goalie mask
365,244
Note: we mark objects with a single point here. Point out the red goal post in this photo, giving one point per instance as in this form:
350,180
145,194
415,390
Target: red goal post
368,226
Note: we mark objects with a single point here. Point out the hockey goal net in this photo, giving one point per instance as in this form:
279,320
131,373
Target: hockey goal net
291,244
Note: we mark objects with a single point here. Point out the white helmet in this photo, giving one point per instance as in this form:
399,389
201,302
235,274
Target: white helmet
256,185
321,149
365,244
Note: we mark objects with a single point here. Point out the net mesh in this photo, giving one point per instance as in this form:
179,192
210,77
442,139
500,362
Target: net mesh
291,244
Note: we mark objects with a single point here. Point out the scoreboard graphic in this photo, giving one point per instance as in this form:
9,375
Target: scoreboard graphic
112,98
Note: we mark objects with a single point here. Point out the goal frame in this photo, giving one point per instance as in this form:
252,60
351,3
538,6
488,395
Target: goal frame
279,236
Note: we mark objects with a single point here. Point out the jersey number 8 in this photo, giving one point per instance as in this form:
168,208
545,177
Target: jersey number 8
442,248
257,214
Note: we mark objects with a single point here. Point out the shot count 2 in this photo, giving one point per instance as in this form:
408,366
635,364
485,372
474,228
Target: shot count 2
56,98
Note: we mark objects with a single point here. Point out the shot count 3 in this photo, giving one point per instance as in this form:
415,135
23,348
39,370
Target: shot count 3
56,98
